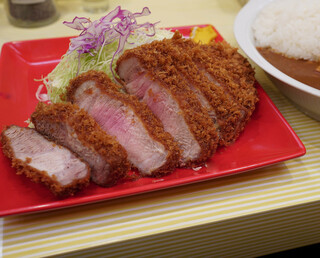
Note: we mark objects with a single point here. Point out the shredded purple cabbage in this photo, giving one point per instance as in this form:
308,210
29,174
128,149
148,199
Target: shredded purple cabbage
119,24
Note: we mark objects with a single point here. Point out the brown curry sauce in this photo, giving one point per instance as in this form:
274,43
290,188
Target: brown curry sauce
307,72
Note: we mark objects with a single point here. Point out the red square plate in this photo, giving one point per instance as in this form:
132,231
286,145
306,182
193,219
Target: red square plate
266,140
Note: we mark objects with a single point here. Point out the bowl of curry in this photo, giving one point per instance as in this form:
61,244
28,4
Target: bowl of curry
296,78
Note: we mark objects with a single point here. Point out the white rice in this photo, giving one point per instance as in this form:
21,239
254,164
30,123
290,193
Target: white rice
291,27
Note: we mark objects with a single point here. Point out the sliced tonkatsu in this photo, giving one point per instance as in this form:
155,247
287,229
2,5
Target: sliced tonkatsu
239,68
175,103
153,78
227,56
227,115
150,149
72,127
245,96
44,161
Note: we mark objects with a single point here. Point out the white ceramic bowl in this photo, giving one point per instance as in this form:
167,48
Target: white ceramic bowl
304,97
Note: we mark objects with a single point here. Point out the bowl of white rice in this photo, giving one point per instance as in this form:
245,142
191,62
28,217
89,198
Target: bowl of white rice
292,29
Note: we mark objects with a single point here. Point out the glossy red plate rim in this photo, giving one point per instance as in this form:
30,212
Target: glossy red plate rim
298,149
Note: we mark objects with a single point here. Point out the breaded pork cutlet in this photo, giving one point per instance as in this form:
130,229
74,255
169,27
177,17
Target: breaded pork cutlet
44,161
227,114
72,127
217,74
150,149
238,67
154,79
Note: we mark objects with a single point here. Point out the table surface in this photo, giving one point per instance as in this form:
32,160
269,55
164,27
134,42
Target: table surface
286,184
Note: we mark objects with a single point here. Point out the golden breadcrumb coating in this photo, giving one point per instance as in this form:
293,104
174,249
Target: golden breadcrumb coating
238,67
245,96
149,120
229,57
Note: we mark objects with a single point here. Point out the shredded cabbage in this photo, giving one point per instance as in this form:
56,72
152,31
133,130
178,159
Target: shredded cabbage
98,47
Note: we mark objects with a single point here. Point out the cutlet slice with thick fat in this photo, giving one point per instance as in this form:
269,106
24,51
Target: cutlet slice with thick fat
152,77
44,161
150,149
72,127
